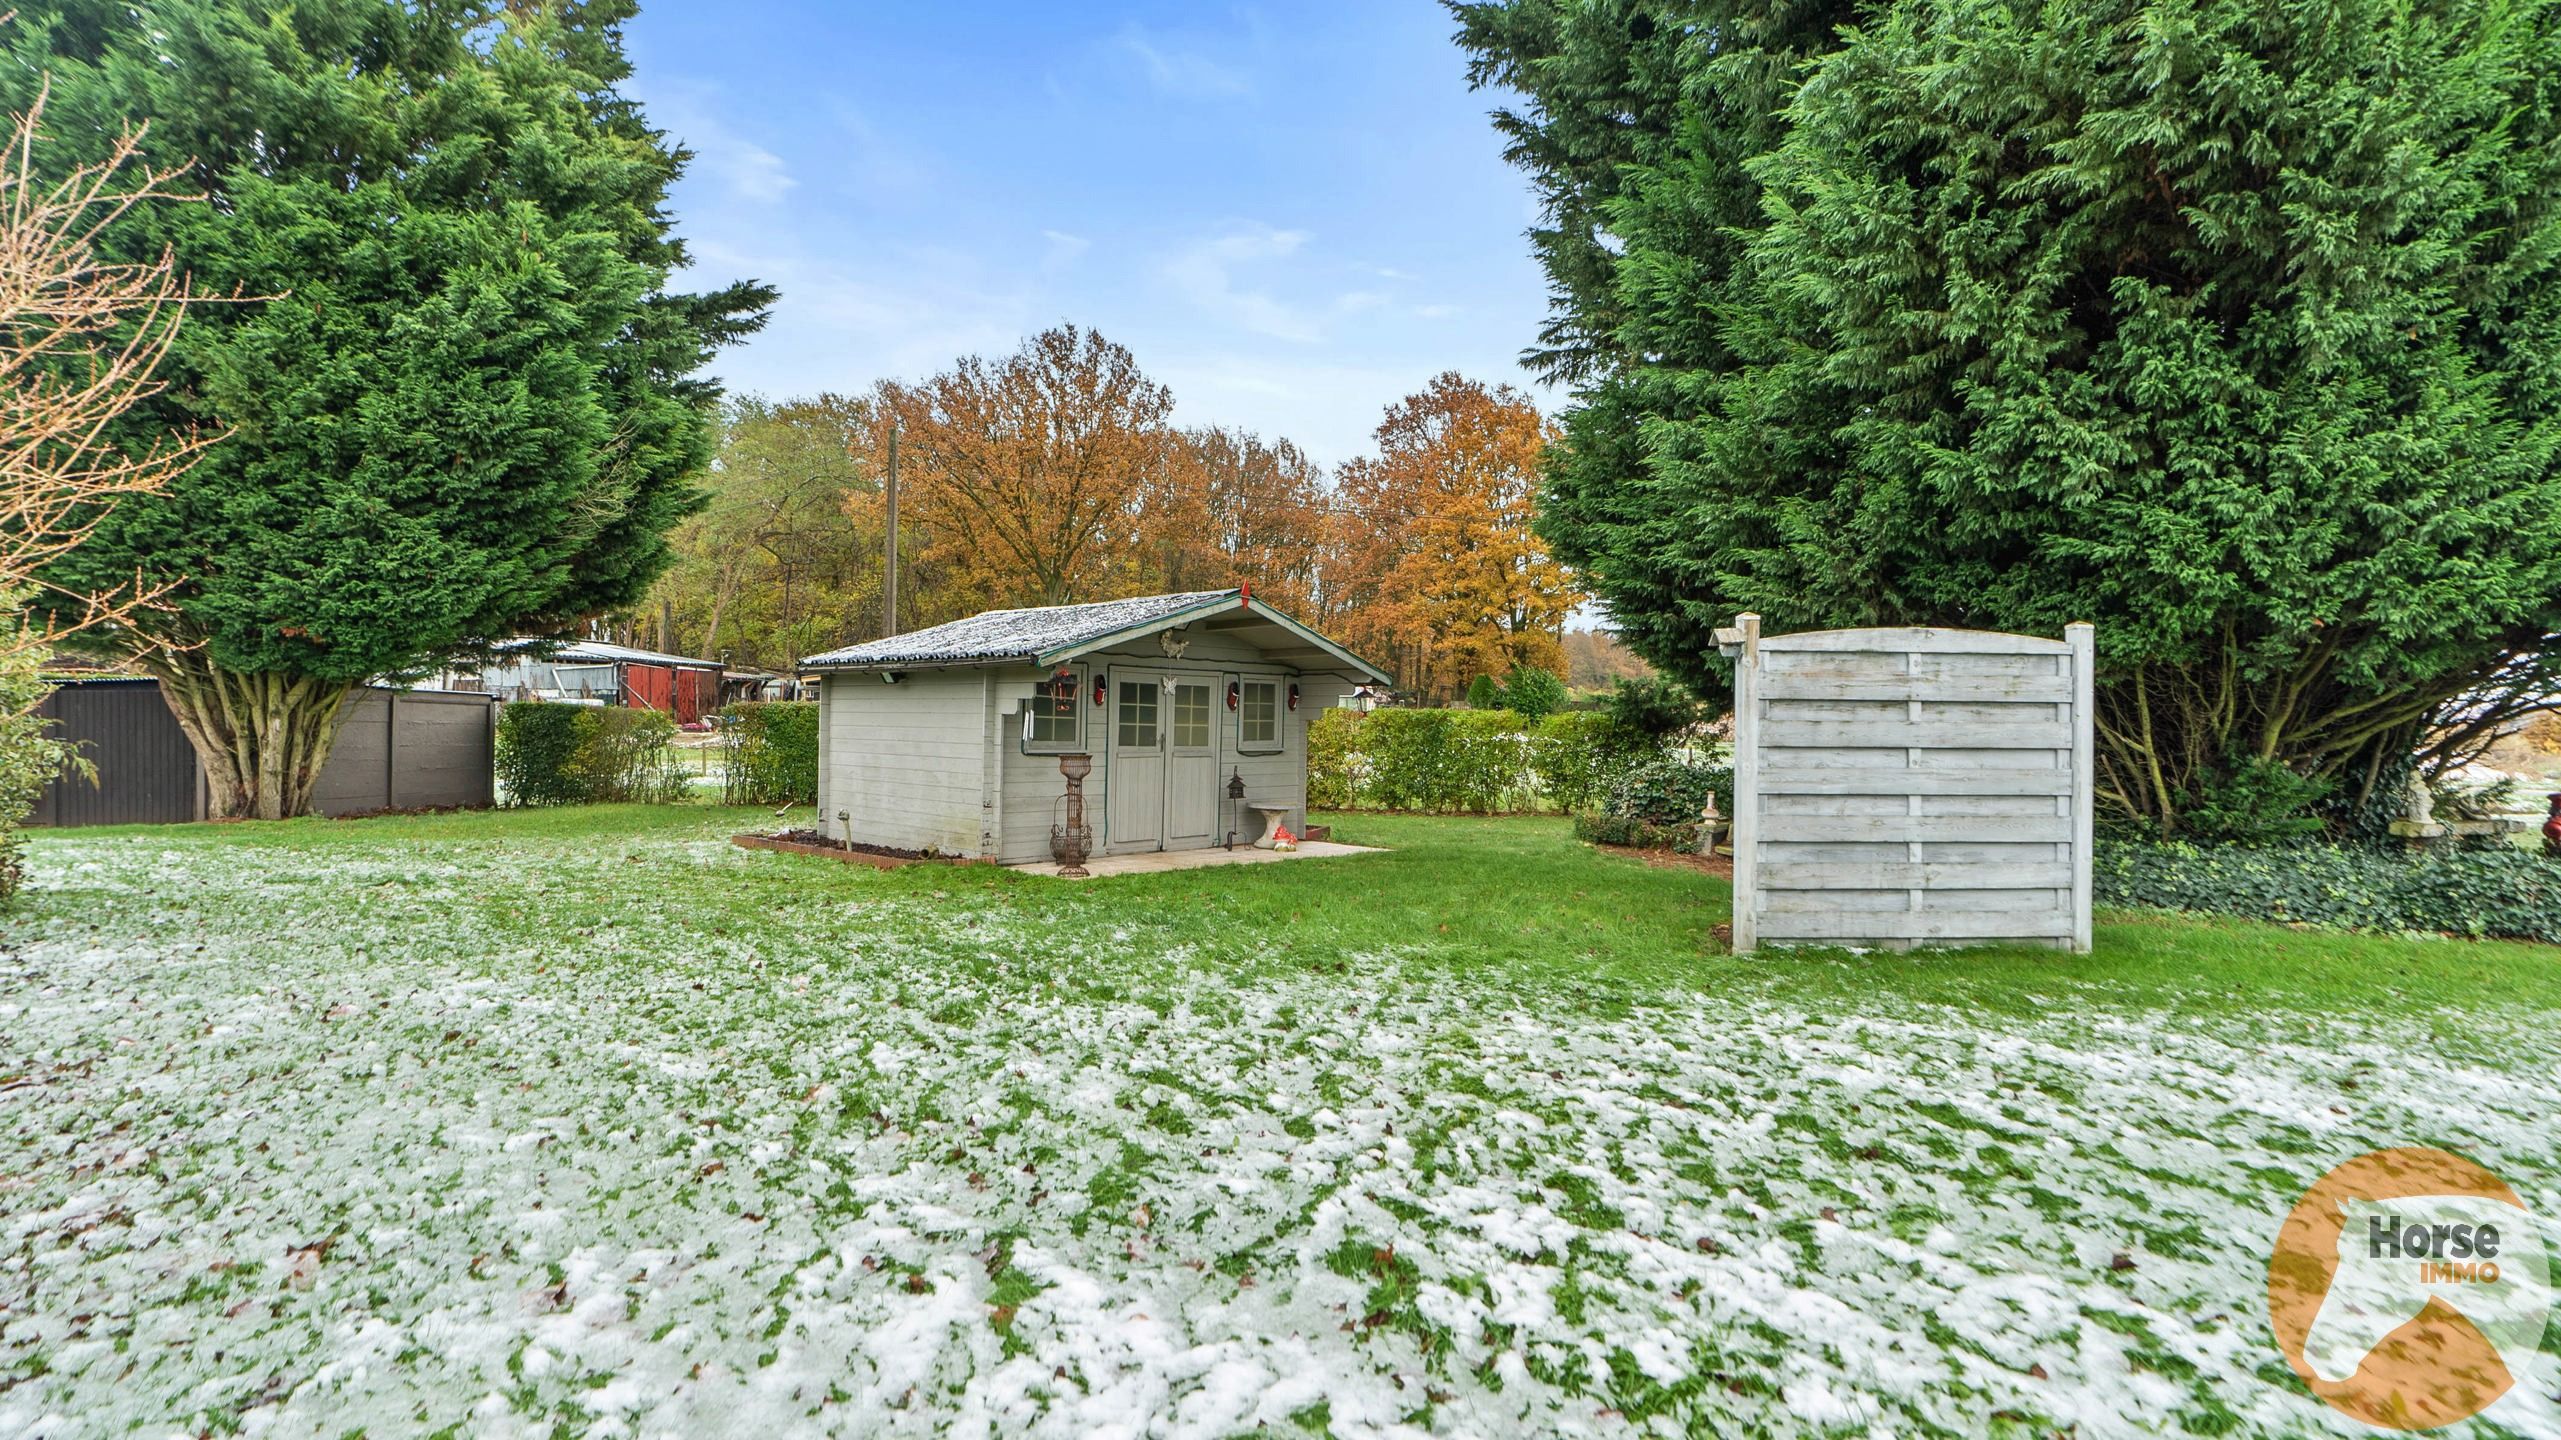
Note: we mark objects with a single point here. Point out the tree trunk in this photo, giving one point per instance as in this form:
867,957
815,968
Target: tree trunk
260,737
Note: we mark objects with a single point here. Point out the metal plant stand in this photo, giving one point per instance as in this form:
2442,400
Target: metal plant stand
1072,843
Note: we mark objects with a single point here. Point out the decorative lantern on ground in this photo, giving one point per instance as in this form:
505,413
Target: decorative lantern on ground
1236,805
1072,841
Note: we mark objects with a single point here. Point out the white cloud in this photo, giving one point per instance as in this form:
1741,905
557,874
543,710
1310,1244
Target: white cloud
1064,248
722,155
1185,74
1204,273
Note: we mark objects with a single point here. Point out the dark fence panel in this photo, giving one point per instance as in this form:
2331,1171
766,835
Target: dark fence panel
396,750
146,769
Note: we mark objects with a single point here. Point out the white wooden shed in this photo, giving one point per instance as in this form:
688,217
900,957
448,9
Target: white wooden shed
948,739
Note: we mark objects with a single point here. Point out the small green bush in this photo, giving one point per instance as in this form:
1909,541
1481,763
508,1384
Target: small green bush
1484,693
1654,706
554,754
1638,834
536,751
1333,754
1463,761
627,755
29,757
1671,792
1533,693
1580,754
2510,893
770,753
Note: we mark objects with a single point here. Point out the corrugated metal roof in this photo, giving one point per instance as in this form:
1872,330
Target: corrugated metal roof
598,651
1016,634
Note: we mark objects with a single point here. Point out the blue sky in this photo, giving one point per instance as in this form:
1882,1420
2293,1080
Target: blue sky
1293,214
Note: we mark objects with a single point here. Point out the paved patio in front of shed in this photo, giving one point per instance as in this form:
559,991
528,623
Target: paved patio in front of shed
1150,862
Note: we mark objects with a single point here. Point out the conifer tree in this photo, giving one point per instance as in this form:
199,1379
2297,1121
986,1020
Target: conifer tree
456,393
2229,326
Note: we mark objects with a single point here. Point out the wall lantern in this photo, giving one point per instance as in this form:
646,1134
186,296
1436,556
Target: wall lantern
1102,688
1235,694
1293,695
1062,691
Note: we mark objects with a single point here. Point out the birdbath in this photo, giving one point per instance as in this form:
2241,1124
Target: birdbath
1072,842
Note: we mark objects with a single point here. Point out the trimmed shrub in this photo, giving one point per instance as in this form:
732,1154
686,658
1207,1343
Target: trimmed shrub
1484,693
1333,745
1533,693
1672,792
769,751
1463,761
1579,754
1638,834
554,754
536,751
2509,893
626,755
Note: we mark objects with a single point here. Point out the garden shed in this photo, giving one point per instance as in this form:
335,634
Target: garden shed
948,739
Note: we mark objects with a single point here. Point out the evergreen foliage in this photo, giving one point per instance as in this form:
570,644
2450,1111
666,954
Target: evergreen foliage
2503,891
1484,693
1533,693
769,751
2228,326
457,392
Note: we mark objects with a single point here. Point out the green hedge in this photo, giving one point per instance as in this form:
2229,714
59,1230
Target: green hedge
537,744
555,754
1462,761
2512,893
770,753
1639,834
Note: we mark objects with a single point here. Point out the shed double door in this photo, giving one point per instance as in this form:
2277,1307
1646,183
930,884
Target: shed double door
1162,786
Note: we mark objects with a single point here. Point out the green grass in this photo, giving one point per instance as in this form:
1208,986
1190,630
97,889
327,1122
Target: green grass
1512,901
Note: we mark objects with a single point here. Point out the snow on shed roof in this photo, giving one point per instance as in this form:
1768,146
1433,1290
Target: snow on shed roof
1056,634
1017,634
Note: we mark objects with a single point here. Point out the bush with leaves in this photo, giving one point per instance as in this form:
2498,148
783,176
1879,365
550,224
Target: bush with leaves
2506,892
554,754
1580,754
537,745
30,758
1657,707
769,751
1484,693
627,755
1335,767
1672,792
1533,693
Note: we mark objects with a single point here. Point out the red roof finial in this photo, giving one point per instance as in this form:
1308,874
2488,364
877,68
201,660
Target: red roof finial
1245,595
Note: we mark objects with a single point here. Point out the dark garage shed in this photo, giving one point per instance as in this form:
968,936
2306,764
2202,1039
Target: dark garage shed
396,750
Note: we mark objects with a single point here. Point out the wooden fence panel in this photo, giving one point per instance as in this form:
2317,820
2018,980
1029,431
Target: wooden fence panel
1896,787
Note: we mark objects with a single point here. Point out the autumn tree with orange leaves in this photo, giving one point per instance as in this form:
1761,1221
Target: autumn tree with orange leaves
1026,474
1439,576
1226,507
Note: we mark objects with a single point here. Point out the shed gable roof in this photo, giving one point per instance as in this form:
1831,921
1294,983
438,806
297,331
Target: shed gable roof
1053,634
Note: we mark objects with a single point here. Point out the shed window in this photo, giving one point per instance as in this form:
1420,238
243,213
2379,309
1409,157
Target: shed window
1191,714
1052,724
1258,716
1138,714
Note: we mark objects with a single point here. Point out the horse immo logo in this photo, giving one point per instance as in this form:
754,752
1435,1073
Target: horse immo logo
2410,1288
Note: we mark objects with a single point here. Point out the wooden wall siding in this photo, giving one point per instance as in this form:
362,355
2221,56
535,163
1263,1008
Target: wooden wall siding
1897,787
905,761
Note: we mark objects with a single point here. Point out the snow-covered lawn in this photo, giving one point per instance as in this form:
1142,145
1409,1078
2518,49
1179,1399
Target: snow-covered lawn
495,1131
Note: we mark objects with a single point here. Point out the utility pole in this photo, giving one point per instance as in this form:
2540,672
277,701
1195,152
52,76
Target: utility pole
889,572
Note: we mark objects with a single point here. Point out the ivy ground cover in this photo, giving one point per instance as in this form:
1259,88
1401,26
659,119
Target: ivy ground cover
586,1122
